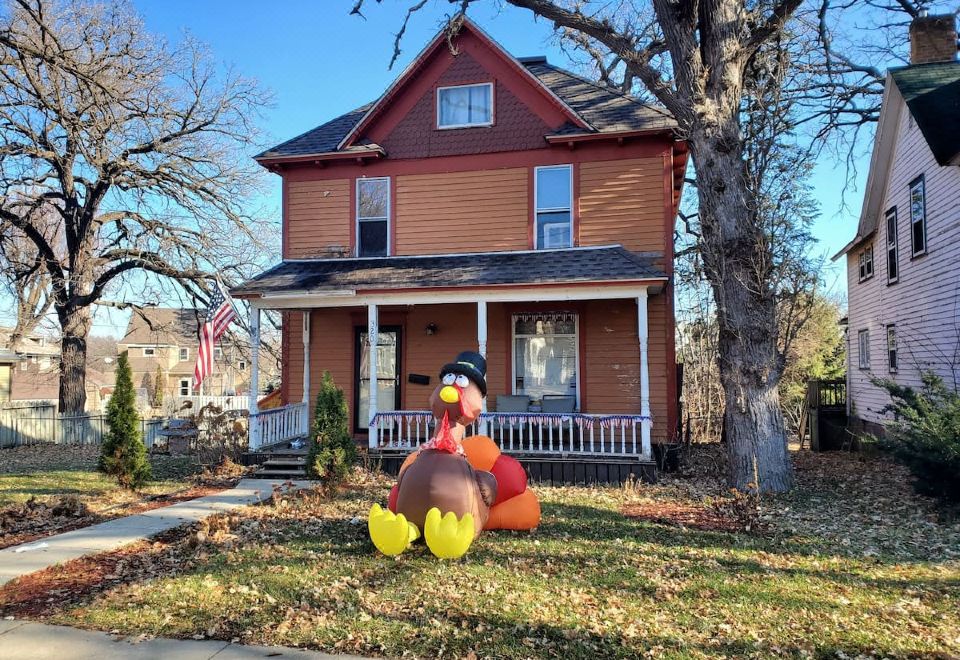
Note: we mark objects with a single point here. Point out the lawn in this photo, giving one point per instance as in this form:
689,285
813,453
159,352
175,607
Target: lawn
49,488
851,563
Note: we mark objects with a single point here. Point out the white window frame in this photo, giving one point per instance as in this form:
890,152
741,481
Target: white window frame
441,127
356,212
919,182
537,210
892,352
242,365
893,245
513,349
217,353
866,259
149,351
863,349
184,384
184,354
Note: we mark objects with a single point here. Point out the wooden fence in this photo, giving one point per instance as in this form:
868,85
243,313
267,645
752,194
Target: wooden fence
26,426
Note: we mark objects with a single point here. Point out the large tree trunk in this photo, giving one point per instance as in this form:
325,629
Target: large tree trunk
737,259
75,323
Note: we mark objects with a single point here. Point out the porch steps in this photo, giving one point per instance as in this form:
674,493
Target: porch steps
283,466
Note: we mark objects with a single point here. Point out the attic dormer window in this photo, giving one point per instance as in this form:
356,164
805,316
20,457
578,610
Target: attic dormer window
465,106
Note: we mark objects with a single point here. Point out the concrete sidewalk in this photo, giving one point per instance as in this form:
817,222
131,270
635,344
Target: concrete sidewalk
34,556
23,640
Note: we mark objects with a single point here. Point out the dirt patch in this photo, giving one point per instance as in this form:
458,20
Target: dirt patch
702,517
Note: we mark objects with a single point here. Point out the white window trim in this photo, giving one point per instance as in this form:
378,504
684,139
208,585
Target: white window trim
920,181
493,105
217,353
180,386
892,368
861,354
152,353
356,212
894,244
184,354
537,210
862,261
513,350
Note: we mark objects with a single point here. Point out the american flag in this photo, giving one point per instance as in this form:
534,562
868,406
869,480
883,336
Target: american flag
220,314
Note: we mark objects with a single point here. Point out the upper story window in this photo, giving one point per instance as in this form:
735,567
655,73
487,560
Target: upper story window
918,216
863,343
465,105
554,200
149,351
217,353
184,354
866,263
373,217
893,265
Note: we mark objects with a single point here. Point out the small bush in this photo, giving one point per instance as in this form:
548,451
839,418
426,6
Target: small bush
333,451
123,454
925,434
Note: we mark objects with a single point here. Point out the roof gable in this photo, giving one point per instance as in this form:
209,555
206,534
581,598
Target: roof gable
430,65
932,93
162,326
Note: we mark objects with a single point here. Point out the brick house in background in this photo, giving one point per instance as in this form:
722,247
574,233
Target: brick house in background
903,273
487,203
167,338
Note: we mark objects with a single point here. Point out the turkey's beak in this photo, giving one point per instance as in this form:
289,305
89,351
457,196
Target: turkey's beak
449,394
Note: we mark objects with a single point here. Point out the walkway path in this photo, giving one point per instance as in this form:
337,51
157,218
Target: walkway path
34,556
22,640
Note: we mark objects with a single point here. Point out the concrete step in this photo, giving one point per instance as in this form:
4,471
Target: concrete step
280,474
296,462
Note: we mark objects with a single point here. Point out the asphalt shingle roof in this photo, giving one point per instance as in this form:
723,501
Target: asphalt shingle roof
932,92
606,109
604,264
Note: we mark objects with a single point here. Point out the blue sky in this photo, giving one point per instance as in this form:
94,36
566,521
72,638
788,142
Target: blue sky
320,62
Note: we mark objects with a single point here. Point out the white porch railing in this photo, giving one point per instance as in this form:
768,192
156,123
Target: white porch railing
232,402
276,425
527,433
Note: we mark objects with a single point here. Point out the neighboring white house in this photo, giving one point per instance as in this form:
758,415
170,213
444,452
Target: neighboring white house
903,265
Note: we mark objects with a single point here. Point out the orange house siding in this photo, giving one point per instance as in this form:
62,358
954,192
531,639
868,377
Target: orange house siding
318,216
461,212
621,201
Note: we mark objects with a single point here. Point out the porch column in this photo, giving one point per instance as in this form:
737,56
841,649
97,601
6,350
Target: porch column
482,350
306,371
642,336
373,337
253,422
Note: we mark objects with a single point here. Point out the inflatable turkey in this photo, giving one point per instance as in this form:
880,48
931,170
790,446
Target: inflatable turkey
452,488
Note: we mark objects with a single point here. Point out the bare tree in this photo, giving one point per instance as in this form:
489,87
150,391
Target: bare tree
137,145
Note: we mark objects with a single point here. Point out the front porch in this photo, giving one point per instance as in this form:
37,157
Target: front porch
577,375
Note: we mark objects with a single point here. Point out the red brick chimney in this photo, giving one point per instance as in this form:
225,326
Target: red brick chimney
933,39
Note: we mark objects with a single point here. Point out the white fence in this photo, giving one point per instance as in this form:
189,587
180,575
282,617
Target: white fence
533,433
277,425
41,424
233,402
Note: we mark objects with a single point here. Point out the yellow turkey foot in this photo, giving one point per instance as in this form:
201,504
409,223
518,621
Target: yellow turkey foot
392,534
447,537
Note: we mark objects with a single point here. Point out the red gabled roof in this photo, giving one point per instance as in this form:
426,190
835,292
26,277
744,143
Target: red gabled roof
420,61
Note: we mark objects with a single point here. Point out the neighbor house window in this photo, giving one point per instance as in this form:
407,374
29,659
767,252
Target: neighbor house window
149,352
863,338
217,353
184,354
866,263
373,217
545,355
184,387
554,199
892,348
465,106
241,365
893,265
918,217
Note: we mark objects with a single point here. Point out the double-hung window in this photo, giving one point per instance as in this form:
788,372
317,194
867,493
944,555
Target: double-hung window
373,217
184,354
465,106
866,263
554,199
918,216
892,348
184,387
545,354
863,343
893,264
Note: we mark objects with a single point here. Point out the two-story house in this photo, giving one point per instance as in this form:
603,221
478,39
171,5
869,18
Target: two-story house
166,339
903,273
489,203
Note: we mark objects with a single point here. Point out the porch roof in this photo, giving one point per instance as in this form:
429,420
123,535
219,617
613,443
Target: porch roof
611,263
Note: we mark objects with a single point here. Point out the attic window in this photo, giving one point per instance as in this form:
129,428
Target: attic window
465,106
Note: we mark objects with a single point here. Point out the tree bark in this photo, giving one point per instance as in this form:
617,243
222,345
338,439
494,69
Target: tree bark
75,323
736,255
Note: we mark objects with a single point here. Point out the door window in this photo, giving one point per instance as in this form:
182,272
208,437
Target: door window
388,375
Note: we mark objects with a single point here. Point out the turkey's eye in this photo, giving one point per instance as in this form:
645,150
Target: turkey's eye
449,379
462,380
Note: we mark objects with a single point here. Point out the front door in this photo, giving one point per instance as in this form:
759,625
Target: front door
388,375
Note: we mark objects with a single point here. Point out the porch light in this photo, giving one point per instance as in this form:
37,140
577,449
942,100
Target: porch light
431,329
